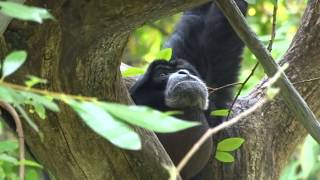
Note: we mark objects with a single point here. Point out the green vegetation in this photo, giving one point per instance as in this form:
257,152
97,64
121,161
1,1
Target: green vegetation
112,121
145,43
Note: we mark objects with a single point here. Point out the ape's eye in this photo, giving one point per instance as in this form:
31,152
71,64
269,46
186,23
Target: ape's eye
163,74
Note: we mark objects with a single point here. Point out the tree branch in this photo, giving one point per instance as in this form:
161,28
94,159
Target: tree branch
288,92
13,113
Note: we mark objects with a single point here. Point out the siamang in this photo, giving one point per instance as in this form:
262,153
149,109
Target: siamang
206,52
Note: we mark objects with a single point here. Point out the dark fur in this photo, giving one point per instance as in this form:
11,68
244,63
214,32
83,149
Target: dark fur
205,44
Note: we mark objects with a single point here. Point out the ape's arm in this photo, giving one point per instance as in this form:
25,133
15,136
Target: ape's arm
205,38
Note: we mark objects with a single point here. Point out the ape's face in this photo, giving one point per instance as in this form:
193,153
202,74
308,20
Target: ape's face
175,84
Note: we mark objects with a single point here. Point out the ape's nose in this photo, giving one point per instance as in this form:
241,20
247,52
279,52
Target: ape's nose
183,71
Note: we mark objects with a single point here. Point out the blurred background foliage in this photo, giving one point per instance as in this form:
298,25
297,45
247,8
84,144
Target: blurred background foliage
147,41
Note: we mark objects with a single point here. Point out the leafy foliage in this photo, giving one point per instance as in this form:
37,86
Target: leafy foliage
224,156
12,62
24,12
104,124
132,71
111,121
147,118
230,144
164,54
146,42
106,119
306,165
220,112
226,146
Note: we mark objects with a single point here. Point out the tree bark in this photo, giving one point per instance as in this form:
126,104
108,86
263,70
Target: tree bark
80,53
272,132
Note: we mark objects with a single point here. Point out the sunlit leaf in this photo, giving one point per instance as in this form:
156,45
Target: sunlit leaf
230,144
33,80
251,1
164,54
28,119
220,112
24,12
132,71
43,100
13,61
10,96
32,174
7,158
171,113
40,110
309,156
105,125
272,92
147,118
291,172
31,163
224,156
8,146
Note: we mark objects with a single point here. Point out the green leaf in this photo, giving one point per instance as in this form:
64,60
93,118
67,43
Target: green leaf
272,92
13,61
32,174
105,125
308,156
291,172
43,100
31,163
224,156
8,146
251,1
7,158
33,80
164,54
172,113
40,110
230,144
147,118
10,96
24,12
220,112
28,119
132,71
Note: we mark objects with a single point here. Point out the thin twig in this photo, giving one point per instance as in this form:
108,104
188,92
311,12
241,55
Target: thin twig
241,88
290,95
214,130
46,92
212,90
274,21
20,133
308,80
229,123
273,35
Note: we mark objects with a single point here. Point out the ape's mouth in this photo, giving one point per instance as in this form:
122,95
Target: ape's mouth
186,83
186,91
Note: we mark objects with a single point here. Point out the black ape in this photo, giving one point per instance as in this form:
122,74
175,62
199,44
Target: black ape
205,50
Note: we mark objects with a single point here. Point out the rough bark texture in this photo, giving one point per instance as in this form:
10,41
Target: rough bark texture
80,53
272,132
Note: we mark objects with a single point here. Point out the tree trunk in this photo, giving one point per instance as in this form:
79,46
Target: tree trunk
80,53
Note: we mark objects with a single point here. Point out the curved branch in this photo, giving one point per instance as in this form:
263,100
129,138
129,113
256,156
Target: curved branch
288,92
13,113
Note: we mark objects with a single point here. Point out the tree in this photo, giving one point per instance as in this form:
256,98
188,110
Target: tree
80,53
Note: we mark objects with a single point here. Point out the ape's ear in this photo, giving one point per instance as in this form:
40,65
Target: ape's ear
146,78
142,80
